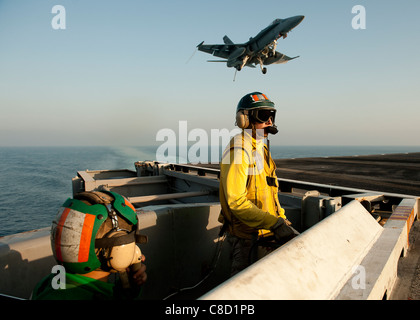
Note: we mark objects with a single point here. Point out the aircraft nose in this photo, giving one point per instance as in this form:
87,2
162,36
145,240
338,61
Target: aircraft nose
294,21
298,19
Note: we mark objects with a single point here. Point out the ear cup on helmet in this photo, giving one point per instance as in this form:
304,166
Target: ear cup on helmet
120,257
242,119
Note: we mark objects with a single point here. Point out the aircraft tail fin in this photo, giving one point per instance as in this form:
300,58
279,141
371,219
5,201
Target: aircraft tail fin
226,40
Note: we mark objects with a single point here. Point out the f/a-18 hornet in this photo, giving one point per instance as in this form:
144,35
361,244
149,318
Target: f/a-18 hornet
258,50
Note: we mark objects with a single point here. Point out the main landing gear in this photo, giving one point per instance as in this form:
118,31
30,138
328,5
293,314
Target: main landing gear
263,69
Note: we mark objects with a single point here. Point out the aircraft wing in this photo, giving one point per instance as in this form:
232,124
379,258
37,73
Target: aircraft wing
218,50
277,58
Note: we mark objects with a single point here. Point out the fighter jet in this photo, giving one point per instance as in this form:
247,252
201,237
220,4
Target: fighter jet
258,50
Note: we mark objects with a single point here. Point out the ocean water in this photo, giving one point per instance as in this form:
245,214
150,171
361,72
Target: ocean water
35,181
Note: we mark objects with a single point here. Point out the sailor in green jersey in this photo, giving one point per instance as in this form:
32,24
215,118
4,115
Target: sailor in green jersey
93,237
82,287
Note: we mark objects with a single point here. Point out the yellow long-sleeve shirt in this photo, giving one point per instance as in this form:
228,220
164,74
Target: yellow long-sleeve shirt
248,199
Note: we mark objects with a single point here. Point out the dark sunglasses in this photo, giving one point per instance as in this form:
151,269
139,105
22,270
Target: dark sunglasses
263,115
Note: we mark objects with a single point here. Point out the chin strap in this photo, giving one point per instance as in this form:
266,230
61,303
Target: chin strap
133,236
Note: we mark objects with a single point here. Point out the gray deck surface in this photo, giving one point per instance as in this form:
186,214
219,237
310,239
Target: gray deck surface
394,173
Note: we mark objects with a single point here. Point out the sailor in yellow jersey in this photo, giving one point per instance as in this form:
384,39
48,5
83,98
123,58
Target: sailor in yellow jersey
248,183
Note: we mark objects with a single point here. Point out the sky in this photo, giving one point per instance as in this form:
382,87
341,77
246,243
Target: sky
122,71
